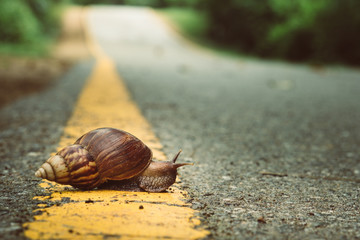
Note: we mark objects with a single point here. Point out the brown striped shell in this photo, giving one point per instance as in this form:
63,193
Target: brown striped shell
99,155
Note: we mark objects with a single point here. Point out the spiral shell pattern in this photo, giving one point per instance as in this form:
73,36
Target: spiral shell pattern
72,165
97,156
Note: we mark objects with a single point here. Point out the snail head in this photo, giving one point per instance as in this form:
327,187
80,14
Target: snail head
160,174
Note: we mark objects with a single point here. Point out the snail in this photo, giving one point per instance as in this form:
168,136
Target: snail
109,154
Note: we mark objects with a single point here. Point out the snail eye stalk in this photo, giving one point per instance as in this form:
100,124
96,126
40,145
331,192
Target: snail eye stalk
176,156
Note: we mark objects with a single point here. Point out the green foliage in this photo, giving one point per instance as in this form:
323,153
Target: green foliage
35,49
151,3
182,3
189,21
293,37
48,13
239,23
295,15
337,29
17,22
194,25
26,26
299,30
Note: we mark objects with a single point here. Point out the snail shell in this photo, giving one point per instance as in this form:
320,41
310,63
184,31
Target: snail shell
109,154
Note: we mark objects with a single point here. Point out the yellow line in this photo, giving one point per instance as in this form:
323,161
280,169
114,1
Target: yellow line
71,214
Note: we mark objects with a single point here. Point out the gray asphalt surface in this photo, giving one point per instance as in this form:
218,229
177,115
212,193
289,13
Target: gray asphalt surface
30,129
275,145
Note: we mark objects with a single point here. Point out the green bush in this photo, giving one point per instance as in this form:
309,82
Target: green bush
240,24
17,22
293,37
189,22
338,32
181,3
151,3
87,2
28,27
48,13
299,30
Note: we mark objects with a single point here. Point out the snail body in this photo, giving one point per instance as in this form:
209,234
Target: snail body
109,154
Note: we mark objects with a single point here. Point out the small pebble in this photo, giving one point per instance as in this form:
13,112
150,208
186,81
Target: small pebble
226,178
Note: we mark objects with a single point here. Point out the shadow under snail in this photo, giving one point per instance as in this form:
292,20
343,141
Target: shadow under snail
109,154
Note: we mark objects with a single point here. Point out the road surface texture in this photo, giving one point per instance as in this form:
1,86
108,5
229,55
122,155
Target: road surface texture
276,146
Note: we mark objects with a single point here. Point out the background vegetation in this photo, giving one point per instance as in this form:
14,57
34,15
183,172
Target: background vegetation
28,26
296,30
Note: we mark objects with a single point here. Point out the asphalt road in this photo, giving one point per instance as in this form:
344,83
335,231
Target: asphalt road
275,145
30,129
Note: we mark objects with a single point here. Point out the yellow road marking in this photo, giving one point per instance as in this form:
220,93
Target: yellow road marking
71,214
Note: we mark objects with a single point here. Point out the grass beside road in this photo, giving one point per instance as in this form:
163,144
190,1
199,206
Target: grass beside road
41,48
30,28
193,24
190,22
27,68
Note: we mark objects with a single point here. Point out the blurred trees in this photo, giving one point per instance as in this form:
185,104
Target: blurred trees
152,3
298,30
25,21
17,22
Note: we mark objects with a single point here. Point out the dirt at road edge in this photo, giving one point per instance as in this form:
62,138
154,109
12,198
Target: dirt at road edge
20,76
